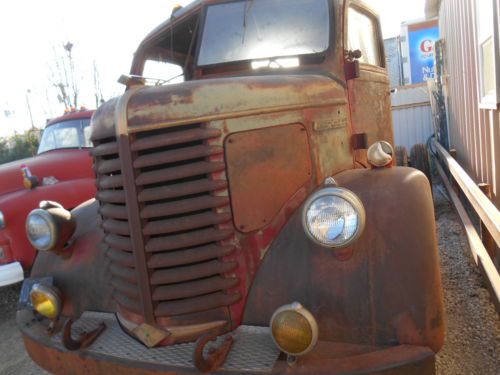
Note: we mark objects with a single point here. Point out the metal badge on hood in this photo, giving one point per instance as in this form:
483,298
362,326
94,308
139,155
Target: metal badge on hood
337,118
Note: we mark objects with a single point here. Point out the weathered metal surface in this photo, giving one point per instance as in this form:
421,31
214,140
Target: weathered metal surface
118,242
197,100
194,255
191,272
181,189
196,273
265,167
115,211
105,149
84,340
194,288
183,206
370,102
121,257
185,153
82,269
111,196
176,224
216,355
253,352
376,297
179,241
116,227
177,173
178,137
185,223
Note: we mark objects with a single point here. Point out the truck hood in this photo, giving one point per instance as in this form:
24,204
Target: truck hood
64,165
217,99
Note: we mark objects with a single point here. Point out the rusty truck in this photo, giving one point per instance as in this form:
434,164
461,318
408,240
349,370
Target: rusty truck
248,219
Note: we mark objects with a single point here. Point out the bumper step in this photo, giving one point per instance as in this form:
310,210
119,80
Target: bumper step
253,349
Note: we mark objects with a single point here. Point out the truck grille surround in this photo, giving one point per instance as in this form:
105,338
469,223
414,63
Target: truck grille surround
180,273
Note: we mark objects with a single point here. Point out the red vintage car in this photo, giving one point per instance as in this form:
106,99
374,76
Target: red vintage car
61,170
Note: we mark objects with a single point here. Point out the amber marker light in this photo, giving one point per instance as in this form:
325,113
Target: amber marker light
46,300
294,329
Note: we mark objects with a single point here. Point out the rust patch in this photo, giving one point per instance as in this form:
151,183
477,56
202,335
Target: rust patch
265,168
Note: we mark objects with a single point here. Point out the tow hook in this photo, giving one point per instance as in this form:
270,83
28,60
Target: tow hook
85,339
216,355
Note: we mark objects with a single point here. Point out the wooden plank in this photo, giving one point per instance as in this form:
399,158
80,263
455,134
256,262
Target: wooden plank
486,210
479,253
488,242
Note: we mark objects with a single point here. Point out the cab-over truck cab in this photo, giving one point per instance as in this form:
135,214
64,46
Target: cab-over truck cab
255,205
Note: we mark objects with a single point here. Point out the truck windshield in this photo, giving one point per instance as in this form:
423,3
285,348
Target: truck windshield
260,29
66,134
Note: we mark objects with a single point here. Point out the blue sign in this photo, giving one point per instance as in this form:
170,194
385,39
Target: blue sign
421,44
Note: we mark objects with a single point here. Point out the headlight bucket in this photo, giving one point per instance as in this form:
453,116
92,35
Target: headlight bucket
49,227
294,329
333,217
46,300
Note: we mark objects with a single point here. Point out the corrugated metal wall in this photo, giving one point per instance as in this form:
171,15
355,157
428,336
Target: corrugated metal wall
474,132
411,115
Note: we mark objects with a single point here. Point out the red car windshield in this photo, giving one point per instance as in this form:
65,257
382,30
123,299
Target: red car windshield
66,134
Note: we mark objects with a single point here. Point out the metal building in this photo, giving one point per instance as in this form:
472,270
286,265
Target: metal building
469,30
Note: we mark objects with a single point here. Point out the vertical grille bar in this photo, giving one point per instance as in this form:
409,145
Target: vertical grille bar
135,228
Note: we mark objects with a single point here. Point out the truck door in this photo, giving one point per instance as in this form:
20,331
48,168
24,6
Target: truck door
369,92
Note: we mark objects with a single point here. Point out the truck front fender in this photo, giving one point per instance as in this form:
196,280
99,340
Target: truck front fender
80,271
387,292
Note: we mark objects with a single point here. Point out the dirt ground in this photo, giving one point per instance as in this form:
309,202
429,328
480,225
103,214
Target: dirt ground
472,345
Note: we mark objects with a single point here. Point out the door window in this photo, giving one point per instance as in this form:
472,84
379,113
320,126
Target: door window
363,36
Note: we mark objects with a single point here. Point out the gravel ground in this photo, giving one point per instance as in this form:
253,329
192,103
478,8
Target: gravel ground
472,345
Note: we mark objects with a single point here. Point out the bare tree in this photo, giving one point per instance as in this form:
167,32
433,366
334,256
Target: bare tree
99,99
63,78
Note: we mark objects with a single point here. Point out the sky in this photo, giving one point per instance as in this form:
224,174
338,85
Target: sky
32,33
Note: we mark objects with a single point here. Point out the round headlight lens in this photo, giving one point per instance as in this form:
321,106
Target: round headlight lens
40,229
46,300
334,217
294,329
2,220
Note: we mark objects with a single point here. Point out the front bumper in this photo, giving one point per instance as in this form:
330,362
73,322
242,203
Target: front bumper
11,273
252,353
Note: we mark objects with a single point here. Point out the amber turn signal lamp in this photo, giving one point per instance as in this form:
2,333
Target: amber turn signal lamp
46,300
294,329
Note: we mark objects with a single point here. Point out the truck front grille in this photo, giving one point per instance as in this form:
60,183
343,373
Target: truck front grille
185,222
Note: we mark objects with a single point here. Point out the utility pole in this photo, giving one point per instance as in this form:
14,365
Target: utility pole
29,108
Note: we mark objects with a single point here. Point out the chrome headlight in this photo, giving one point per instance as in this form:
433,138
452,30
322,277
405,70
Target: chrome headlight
2,220
41,230
333,217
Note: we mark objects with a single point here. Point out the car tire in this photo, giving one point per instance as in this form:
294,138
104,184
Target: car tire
419,159
401,156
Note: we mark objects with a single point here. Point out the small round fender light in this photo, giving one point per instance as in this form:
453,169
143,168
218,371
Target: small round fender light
294,329
46,300
380,154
